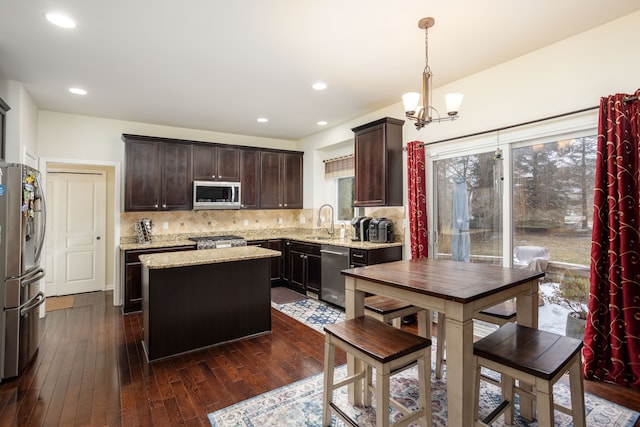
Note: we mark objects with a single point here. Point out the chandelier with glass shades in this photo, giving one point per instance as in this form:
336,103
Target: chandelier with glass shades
421,114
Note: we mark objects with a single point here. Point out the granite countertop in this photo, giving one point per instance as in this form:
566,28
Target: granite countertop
171,240
205,256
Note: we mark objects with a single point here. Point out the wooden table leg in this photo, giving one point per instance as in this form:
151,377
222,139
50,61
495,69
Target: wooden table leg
527,308
460,384
354,307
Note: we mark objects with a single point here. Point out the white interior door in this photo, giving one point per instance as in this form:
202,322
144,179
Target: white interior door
76,222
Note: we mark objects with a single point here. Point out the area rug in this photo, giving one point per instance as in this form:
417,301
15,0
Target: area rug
300,404
59,303
282,295
312,313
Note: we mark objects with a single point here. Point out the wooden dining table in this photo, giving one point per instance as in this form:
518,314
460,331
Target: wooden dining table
457,289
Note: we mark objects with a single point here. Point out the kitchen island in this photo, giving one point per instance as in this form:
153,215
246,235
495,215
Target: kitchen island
194,299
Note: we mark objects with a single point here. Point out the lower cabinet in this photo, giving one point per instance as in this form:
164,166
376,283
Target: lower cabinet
362,257
133,275
305,268
277,263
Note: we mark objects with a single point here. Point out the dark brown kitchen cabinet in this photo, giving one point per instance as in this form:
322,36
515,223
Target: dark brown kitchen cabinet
216,163
249,179
3,112
378,163
132,275
280,180
305,268
363,257
158,174
277,263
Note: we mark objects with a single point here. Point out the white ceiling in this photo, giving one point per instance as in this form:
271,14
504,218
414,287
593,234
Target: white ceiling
219,65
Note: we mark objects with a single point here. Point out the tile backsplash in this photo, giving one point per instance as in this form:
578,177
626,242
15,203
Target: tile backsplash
221,221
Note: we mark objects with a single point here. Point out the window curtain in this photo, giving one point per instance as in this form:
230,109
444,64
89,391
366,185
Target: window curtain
612,336
417,200
339,167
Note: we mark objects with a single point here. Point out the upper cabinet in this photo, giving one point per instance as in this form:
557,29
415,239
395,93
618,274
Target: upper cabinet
378,163
3,111
158,174
249,179
216,163
280,180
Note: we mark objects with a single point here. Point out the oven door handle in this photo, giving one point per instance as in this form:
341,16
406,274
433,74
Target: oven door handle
35,302
32,277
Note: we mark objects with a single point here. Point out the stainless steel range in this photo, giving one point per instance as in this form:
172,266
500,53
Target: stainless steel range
216,242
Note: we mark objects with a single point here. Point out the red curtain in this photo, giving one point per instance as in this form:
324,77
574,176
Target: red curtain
612,336
417,200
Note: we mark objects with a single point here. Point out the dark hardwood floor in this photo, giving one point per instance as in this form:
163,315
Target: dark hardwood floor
91,371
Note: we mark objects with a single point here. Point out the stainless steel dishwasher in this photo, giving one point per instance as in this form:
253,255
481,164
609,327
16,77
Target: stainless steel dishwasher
334,260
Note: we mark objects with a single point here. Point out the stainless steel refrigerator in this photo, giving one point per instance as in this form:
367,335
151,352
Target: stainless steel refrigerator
22,229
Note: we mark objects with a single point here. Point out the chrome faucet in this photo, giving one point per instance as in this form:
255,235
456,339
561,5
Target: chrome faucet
331,233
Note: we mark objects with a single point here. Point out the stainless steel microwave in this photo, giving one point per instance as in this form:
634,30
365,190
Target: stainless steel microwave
216,195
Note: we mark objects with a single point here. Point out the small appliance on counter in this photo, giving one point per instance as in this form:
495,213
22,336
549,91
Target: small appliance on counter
361,227
380,230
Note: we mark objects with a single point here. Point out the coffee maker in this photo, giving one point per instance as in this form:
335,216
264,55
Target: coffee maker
361,228
381,230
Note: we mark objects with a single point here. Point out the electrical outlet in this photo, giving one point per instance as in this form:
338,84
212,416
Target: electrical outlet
279,220
302,220
245,222
165,225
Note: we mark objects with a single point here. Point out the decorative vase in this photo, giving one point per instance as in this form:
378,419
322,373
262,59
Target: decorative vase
575,326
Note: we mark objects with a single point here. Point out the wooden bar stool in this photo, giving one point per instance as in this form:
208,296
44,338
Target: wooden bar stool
498,314
386,349
389,310
533,357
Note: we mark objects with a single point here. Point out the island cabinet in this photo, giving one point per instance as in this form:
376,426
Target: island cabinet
378,163
195,299
249,179
305,268
280,180
158,174
277,263
216,163
133,275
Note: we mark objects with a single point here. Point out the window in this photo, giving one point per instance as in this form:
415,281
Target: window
345,194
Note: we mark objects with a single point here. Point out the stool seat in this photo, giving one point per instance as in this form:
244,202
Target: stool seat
538,353
377,339
374,344
499,313
534,358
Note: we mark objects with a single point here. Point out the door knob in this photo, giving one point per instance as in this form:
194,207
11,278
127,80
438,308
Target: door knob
98,238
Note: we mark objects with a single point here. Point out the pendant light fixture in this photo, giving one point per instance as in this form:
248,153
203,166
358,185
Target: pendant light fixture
422,114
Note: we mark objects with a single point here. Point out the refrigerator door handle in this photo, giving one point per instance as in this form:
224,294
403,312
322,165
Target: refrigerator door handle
27,275
35,302
33,277
43,221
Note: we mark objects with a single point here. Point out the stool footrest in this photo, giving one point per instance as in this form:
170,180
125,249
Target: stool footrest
343,416
496,412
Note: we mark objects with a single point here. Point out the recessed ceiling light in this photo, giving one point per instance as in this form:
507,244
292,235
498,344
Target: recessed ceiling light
319,86
262,120
322,123
77,91
60,20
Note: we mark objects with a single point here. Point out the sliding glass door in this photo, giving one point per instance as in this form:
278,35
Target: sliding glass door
468,207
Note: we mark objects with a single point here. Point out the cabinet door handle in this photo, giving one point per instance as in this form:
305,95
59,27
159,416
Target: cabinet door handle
301,256
285,205
358,256
155,206
164,205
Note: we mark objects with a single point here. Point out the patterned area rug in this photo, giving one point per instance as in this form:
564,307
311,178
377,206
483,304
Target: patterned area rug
282,295
312,313
300,403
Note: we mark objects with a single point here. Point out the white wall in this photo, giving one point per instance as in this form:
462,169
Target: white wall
563,77
83,137
21,124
